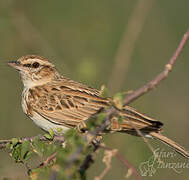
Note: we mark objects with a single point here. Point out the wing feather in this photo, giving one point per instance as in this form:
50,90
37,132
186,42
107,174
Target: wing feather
65,104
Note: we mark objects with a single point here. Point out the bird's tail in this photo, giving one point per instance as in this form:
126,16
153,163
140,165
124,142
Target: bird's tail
170,143
133,120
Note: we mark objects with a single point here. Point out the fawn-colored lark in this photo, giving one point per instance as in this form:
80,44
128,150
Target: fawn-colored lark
53,101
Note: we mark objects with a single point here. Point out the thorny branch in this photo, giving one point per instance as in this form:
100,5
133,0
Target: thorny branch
90,136
153,83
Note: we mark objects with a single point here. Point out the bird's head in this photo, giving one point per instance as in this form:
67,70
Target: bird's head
34,70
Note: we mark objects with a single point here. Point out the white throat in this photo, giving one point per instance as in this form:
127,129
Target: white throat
30,82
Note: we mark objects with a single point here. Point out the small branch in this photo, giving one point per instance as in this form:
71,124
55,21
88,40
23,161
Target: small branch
107,159
89,160
43,164
110,112
168,67
153,83
124,161
40,137
48,160
90,137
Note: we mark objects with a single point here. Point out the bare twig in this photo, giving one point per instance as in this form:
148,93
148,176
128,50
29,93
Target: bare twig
43,164
125,162
108,155
89,159
48,160
153,83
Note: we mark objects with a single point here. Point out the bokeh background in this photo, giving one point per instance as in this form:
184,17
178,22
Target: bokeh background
119,43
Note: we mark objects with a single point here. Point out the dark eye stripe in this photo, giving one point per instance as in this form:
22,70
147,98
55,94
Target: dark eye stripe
27,65
34,65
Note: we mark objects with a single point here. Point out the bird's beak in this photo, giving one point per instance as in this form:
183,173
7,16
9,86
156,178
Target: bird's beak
15,64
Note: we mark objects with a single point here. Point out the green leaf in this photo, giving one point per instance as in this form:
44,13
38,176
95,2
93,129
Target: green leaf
39,146
8,146
118,100
104,91
51,132
59,130
49,149
70,133
28,155
48,136
120,119
91,124
25,148
16,153
101,118
15,141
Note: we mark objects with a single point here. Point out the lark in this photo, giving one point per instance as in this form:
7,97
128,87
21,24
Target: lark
55,102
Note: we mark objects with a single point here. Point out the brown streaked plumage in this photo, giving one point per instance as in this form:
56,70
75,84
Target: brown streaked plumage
53,101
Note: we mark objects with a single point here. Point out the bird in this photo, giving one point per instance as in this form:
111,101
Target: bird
56,102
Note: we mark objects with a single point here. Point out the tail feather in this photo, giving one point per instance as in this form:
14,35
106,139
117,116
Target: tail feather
133,120
170,143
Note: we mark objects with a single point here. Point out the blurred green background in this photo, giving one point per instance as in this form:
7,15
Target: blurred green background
119,43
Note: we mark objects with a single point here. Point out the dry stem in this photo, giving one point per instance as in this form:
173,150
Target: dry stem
153,83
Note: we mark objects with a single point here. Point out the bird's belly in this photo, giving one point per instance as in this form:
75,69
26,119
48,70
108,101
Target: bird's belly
47,125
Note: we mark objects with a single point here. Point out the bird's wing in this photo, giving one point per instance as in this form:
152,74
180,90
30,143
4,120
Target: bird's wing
66,104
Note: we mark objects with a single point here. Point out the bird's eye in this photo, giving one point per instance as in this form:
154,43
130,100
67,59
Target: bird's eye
27,65
35,65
